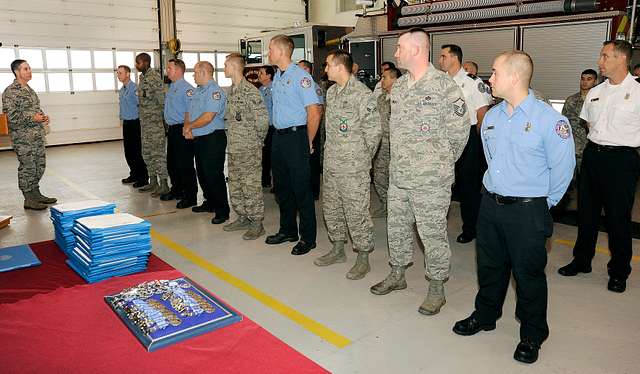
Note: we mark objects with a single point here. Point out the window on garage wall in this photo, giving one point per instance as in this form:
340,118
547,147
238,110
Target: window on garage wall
215,58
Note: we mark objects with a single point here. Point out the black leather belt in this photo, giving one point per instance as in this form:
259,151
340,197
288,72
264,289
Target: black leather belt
507,200
291,129
608,148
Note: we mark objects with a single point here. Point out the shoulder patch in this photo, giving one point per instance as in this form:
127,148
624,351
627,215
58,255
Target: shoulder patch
319,91
305,82
459,107
216,95
563,129
190,92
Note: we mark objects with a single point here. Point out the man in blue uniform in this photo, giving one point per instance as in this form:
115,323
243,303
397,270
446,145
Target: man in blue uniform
530,155
296,116
204,123
180,154
131,129
265,77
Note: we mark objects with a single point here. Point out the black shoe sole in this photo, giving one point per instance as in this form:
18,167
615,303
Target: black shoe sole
481,328
565,273
283,240
304,251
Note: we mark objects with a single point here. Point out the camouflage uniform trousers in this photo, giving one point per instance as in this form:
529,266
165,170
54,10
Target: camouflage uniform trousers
345,204
154,143
245,184
427,209
29,145
381,169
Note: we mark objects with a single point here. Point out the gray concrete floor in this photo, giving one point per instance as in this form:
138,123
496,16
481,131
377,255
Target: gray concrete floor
592,330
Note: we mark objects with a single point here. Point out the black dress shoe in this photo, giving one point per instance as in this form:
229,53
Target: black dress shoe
471,326
618,285
203,208
465,238
139,184
186,203
219,218
526,351
573,268
128,180
169,196
302,248
279,238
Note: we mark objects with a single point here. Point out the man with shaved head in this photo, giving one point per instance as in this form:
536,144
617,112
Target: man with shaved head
428,131
530,158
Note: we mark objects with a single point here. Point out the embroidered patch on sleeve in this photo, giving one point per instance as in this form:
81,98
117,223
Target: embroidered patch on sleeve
305,82
563,129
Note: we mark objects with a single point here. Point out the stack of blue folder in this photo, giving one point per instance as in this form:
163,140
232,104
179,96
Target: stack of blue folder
64,215
110,245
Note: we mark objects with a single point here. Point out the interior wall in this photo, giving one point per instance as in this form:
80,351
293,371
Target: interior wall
327,12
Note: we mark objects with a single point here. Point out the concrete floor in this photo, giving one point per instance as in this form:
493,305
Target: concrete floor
592,330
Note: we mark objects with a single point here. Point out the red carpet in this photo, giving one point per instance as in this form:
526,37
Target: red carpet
56,323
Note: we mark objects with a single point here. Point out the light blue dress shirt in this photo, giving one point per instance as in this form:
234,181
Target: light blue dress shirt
208,98
293,90
176,101
267,97
128,101
529,153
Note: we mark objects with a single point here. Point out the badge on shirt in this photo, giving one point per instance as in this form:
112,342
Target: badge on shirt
563,129
216,95
318,92
344,127
189,92
305,82
527,127
238,117
425,128
459,107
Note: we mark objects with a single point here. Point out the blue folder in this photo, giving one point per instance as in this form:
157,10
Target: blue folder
18,257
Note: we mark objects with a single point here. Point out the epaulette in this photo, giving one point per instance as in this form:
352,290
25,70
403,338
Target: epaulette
474,77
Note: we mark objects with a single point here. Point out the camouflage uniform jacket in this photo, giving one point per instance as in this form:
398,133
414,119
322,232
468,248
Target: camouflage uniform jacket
21,104
571,110
429,128
151,93
352,127
384,109
246,117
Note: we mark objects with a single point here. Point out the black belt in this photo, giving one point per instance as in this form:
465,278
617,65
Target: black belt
291,129
507,200
608,148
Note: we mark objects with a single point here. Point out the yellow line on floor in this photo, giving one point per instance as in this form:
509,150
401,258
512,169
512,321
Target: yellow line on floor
315,327
605,251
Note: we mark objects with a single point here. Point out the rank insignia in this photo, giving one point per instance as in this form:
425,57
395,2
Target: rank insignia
305,82
425,128
238,117
627,96
344,127
563,129
189,92
459,107
527,127
216,95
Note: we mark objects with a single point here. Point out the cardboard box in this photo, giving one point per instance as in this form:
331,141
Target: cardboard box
4,124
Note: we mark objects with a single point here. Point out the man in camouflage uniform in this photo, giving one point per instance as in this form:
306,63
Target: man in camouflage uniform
247,122
381,160
353,134
154,141
27,124
428,131
571,110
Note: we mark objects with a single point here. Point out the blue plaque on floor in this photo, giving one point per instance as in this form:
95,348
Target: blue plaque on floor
164,312
18,257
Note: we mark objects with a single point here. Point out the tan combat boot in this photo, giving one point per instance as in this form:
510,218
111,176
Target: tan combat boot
361,267
152,186
434,300
44,199
241,223
162,189
334,256
394,281
31,201
255,231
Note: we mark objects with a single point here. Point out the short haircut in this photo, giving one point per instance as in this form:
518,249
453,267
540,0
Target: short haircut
415,31
472,63
454,50
590,72
206,65
236,59
179,63
395,72
342,57
636,66
519,62
15,66
284,42
307,64
144,57
268,69
125,68
390,64
621,46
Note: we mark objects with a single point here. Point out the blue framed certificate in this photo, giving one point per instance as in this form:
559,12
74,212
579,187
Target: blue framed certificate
158,317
